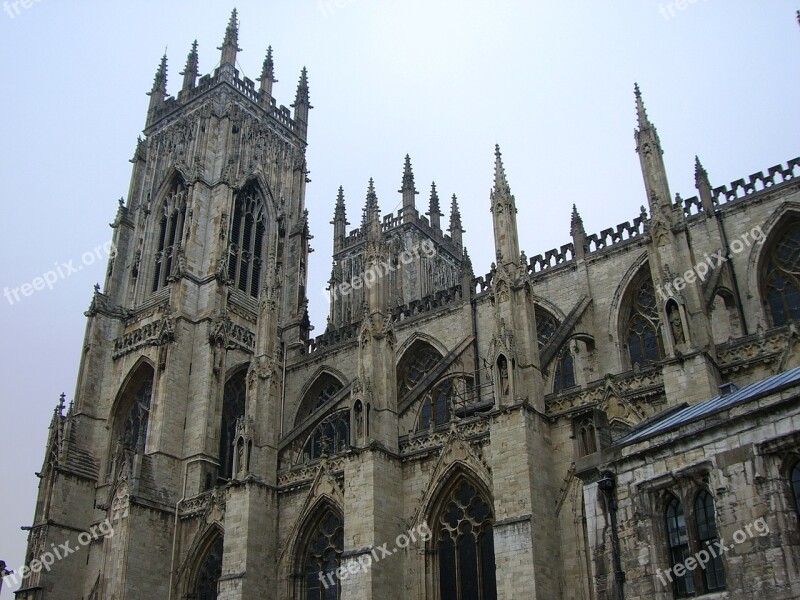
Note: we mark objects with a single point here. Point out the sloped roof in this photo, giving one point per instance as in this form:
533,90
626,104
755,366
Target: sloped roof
676,416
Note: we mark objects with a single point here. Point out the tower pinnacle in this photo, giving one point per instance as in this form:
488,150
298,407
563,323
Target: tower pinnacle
641,112
434,211
372,213
190,70
301,103
576,223
159,90
456,230
267,74
500,181
407,188
230,45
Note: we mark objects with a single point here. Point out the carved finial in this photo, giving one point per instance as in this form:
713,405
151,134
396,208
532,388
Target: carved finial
121,202
267,73
190,70
160,80
434,210
455,213
371,210
576,223
230,45
62,401
407,188
467,261
339,213
643,213
641,112
700,173
500,181
302,96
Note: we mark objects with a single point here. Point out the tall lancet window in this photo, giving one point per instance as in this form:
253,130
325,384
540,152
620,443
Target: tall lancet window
781,276
232,408
248,232
169,232
322,557
465,546
642,332
133,412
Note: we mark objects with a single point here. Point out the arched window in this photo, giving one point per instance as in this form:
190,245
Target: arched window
329,437
233,403
587,436
418,361
322,391
642,331
134,410
781,276
546,325
678,544
209,573
322,558
714,572
565,372
435,409
796,486
170,233
246,250
465,546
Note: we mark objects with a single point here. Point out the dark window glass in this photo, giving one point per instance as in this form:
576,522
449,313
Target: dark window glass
466,547
170,234
714,573
796,486
546,325
415,365
642,330
210,572
246,248
678,539
323,557
565,372
232,408
781,275
331,436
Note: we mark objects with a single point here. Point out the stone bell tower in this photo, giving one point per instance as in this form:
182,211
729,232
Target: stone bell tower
209,276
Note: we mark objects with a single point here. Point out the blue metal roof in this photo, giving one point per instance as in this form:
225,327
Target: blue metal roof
672,418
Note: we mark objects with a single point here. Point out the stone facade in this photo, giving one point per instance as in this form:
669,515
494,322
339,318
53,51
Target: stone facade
468,422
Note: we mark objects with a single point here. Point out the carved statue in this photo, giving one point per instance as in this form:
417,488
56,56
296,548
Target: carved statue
675,324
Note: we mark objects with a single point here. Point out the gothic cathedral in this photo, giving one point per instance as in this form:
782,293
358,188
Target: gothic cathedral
617,418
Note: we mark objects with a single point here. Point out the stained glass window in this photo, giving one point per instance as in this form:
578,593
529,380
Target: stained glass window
169,233
781,277
246,251
232,408
642,332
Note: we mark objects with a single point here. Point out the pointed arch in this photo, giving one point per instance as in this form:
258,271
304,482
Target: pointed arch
234,399
418,359
130,413
331,436
202,568
779,270
320,389
461,518
169,223
640,327
248,240
546,324
724,311
318,551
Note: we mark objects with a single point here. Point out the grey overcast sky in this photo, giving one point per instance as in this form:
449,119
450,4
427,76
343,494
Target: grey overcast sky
551,82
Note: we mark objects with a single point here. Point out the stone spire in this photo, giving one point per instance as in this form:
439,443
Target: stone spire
576,223
504,214
407,188
230,45
191,69
339,222
434,211
267,75
455,229
301,103
158,92
371,219
578,233
703,185
648,145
